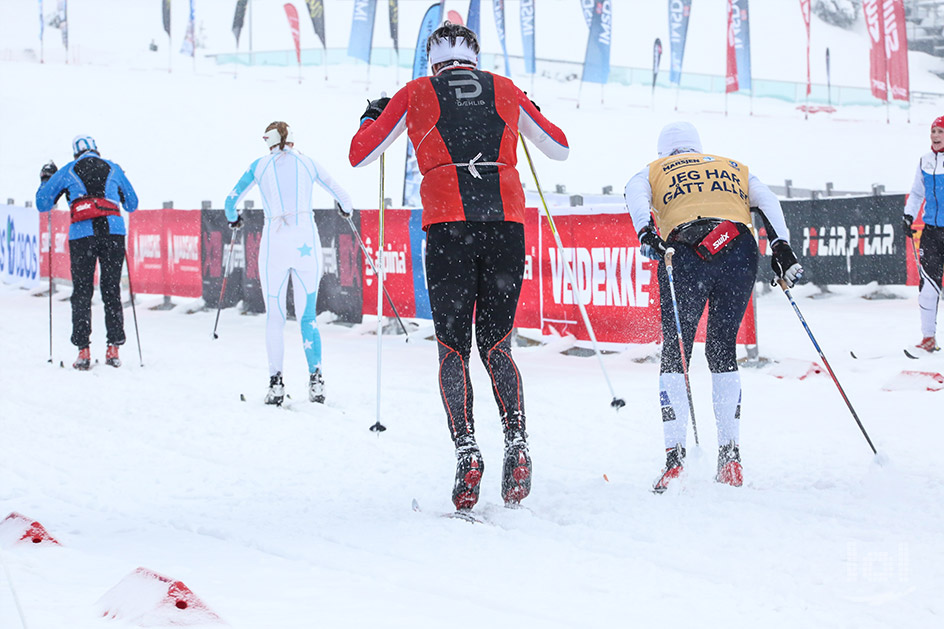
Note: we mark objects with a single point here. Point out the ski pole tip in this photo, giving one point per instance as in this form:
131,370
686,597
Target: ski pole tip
378,428
618,403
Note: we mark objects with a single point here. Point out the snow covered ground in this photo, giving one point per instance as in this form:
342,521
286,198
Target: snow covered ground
302,517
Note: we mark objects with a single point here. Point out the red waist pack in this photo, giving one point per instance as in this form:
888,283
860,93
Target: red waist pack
90,207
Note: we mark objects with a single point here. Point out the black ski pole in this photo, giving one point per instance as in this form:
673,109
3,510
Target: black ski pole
350,222
617,402
49,214
226,270
678,328
134,311
786,291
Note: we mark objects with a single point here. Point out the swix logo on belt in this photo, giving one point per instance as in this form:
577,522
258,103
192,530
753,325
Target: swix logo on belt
717,244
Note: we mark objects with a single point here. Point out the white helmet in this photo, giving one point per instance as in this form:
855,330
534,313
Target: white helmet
82,143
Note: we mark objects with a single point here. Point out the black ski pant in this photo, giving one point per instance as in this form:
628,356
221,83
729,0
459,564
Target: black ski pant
932,255
109,251
725,281
474,271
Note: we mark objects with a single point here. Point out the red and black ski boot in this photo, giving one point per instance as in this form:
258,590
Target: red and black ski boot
111,356
84,360
729,465
516,472
674,460
469,470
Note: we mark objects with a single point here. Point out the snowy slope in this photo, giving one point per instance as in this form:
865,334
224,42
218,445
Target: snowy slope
302,518
187,135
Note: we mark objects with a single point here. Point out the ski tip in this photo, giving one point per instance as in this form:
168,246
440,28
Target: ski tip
415,505
910,355
606,478
242,397
62,364
852,353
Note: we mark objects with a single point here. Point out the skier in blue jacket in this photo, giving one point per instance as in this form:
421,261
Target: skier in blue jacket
928,189
96,189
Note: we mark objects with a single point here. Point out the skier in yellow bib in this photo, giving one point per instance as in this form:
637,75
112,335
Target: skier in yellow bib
700,205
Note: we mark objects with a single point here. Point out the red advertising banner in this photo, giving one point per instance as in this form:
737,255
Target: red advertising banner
292,14
896,49
529,303
731,78
164,252
875,25
616,285
397,261
145,253
61,265
805,10
182,248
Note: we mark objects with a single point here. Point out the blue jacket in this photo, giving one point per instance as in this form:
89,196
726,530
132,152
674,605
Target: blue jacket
89,176
928,187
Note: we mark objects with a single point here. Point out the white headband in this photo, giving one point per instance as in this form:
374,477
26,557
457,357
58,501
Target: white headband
442,50
272,137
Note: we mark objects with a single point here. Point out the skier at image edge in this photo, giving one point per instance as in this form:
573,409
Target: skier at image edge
464,123
928,188
290,246
95,188
709,227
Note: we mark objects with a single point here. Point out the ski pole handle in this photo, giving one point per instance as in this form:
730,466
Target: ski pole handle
668,256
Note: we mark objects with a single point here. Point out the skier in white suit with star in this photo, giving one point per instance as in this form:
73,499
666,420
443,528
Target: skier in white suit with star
290,245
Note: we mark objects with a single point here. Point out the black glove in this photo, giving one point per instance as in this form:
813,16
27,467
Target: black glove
906,224
785,264
234,225
651,244
48,171
533,103
375,108
341,210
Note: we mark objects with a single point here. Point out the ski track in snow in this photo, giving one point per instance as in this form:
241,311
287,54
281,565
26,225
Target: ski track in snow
298,518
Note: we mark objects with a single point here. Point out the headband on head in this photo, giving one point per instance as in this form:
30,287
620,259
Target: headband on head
273,138
442,50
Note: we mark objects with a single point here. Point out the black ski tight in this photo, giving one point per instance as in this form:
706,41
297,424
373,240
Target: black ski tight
109,251
474,270
726,282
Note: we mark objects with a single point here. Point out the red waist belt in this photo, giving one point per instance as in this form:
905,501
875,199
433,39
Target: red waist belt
84,209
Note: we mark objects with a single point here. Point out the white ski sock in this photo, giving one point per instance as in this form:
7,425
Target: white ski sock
674,401
928,299
726,399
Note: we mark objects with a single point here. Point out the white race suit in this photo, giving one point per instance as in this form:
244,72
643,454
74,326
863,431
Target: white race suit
290,243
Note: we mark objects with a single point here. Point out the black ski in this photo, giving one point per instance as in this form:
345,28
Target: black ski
465,515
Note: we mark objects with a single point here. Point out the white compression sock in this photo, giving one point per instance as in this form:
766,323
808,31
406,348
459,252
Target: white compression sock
674,401
726,399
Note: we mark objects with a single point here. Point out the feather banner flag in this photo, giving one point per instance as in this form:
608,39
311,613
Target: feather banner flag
411,175
362,29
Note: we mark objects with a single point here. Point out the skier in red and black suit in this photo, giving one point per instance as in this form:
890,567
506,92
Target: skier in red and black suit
464,126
